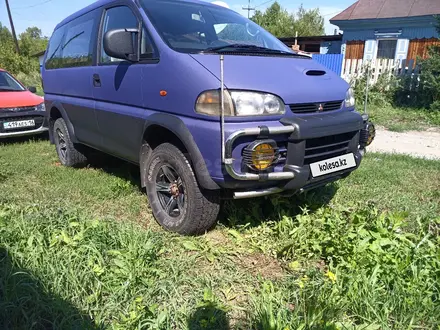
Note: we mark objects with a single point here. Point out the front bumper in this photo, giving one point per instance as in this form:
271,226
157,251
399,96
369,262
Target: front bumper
39,118
311,139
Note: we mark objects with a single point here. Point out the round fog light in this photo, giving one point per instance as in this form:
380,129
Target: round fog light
263,156
368,133
371,133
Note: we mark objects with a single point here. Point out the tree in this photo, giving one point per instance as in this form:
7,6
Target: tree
32,41
281,23
10,60
309,22
276,20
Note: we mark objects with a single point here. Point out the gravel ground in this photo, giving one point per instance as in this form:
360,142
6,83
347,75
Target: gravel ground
417,144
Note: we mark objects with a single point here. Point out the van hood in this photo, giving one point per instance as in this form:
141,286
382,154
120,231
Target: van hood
283,76
19,99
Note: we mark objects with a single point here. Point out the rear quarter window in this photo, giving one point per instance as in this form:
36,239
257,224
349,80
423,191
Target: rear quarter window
72,45
53,57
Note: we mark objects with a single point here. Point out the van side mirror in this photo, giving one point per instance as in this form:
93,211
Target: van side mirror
122,44
32,89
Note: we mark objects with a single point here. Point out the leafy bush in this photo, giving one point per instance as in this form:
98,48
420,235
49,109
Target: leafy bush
14,63
380,93
31,79
430,78
427,93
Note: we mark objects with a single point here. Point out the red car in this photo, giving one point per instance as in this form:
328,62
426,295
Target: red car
21,111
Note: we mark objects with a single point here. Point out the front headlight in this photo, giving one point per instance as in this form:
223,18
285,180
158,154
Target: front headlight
40,107
349,99
239,103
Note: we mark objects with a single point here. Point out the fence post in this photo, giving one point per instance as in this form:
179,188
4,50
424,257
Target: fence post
366,90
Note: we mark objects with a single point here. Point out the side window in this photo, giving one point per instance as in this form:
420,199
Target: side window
77,49
72,44
53,57
123,18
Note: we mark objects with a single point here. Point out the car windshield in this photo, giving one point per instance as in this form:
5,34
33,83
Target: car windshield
9,84
194,27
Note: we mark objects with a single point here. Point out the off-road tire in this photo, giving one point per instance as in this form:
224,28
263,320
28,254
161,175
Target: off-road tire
201,208
71,156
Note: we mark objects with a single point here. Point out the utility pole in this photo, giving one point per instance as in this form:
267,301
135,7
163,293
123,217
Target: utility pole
248,8
14,35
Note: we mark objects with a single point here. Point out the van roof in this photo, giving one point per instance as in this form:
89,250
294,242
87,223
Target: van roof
83,11
100,3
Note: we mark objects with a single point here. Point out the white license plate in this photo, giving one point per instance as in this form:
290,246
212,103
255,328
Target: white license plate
18,124
332,165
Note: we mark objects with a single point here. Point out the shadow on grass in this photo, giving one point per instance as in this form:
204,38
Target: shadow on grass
26,304
115,166
23,139
208,317
252,212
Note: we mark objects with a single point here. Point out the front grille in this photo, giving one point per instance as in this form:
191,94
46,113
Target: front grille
327,147
18,109
315,107
282,152
38,123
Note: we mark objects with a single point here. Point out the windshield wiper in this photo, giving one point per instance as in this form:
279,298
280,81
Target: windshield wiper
253,48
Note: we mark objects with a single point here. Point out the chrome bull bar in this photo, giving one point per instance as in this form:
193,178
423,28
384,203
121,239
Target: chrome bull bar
226,147
262,130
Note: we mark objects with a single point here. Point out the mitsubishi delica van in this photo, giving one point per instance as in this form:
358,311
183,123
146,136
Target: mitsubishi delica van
206,102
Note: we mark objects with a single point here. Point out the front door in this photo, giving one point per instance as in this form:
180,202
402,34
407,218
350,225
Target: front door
118,87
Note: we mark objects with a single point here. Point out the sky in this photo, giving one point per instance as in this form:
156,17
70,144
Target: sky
45,14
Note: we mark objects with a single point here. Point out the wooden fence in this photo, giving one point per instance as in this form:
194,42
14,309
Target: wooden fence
354,69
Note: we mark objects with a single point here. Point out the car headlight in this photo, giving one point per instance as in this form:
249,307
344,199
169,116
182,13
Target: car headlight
349,99
239,103
40,107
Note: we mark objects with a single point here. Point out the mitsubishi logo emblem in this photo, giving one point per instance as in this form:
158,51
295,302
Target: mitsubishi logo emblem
320,107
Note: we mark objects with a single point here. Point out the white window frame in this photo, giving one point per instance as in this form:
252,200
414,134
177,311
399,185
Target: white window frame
377,46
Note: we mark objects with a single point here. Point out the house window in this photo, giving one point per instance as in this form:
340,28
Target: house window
386,49
311,48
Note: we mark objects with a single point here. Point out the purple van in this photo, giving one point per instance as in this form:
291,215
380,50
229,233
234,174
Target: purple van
206,102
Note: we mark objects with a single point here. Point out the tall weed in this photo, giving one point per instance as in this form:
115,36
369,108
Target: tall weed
372,266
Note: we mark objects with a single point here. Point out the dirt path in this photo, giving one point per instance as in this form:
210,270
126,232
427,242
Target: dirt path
417,144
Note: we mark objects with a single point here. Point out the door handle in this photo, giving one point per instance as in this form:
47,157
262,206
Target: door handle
96,80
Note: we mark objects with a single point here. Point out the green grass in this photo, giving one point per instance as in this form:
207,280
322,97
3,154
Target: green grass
80,250
404,119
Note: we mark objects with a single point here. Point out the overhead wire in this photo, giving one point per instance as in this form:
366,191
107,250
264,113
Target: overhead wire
261,4
32,6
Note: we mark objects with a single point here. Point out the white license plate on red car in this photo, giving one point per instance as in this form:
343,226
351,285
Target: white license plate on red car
332,165
19,124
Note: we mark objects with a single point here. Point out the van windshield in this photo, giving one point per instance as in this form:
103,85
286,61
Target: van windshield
194,27
9,84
